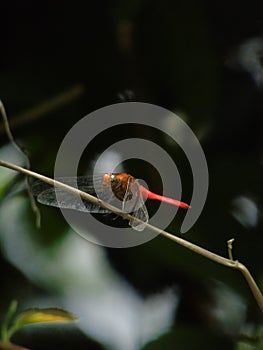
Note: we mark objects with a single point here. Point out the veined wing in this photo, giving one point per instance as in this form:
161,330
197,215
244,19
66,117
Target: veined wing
133,204
141,214
57,197
80,182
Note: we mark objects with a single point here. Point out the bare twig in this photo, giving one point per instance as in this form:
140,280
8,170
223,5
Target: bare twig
32,114
46,107
230,248
199,250
25,154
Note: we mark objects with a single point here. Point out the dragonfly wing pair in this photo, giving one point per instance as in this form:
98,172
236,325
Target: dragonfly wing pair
133,204
56,197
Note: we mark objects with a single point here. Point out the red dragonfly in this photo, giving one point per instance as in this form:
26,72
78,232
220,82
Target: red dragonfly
121,190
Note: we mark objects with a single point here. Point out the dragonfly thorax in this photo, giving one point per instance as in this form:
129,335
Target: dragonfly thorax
119,184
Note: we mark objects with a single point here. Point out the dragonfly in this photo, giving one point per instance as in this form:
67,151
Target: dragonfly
119,189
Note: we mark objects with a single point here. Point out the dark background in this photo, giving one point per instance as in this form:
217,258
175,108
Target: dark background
185,56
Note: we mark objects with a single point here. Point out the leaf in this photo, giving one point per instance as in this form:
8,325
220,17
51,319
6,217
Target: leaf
43,315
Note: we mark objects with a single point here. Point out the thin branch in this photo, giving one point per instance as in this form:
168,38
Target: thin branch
199,250
32,114
24,152
46,107
252,284
230,248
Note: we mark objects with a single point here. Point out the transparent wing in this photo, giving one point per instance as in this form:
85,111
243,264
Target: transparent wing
141,214
82,182
133,203
67,200
48,195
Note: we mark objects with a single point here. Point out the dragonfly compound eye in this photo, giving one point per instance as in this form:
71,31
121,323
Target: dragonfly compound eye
106,179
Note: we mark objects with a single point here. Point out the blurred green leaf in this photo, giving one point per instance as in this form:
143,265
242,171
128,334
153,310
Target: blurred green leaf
251,339
244,346
43,315
32,316
8,318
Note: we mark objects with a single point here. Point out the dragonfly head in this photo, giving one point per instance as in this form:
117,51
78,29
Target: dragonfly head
106,179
